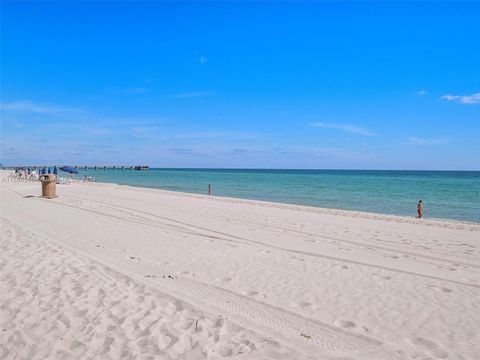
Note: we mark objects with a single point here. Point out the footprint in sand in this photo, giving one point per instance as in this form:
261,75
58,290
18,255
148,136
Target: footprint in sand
381,277
431,347
446,268
442,289
252,293
173,307
345,324
301,304
297,258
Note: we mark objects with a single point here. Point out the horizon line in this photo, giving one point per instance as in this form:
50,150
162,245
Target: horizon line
100,167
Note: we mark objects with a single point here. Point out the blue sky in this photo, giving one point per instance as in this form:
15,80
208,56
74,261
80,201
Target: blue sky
250,85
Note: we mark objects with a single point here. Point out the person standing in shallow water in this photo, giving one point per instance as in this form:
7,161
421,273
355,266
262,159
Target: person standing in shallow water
420,209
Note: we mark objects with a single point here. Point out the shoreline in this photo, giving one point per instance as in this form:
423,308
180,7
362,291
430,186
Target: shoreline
311,208
314,209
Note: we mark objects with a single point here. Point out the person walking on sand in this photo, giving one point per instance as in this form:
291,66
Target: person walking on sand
420,209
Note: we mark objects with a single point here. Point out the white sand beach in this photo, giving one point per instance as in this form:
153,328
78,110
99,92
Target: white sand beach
105,271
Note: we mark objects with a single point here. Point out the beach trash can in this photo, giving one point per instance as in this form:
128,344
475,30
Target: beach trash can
49,185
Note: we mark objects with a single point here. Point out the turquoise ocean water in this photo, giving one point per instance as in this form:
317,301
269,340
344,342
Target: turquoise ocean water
446,194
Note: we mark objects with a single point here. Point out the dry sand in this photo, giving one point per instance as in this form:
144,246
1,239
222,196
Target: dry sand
114,272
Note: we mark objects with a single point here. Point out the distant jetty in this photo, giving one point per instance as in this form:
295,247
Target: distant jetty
81,167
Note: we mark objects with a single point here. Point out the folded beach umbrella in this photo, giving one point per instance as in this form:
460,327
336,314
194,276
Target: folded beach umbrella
69,169
55,170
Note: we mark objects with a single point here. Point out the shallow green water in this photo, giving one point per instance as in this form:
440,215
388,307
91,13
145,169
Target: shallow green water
446,194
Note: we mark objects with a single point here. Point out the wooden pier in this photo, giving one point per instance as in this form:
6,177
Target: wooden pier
81,167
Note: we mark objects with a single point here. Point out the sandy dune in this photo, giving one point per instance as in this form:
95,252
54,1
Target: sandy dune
108,272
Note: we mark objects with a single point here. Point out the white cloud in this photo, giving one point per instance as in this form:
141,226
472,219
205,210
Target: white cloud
413,140
191,94
73,152
98,130
421,92
205,134
30,106
187,151
353,129
463,99
136,90
203,59
148,132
